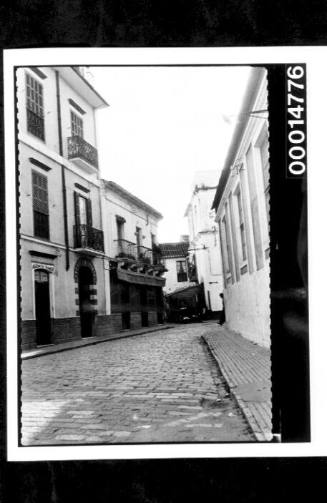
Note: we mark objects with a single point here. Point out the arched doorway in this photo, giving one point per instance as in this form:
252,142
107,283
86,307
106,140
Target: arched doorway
87,313
42,307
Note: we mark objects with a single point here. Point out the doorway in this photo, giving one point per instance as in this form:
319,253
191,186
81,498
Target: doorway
42,307
87,314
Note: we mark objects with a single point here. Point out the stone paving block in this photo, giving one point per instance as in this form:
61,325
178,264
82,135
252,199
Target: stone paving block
246,367
96,391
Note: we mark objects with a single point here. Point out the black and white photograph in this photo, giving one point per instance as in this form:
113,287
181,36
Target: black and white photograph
144,254
153,293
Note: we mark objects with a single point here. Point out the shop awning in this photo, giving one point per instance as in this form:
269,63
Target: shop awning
139,279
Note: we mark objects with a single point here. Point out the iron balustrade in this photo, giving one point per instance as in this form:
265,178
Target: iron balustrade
88,237
145,255
126,249
35,124
78,147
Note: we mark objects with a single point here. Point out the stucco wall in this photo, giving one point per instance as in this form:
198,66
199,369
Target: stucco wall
247,306
50,109
171,276
134,216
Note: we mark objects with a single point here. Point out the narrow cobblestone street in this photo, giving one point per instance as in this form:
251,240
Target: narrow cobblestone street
158,387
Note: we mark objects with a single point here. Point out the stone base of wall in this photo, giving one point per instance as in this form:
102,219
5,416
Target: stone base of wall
28,334
66,329
69,329
63,330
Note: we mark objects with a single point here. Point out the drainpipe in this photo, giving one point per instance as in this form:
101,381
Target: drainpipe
63,179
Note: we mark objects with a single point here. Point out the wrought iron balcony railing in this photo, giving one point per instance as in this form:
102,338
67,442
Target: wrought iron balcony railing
144,255
78,148
35,124
125,249
88,237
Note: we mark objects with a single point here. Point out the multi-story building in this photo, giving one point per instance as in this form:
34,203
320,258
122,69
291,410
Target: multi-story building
204,248
242,212
174,256
61,238
130,230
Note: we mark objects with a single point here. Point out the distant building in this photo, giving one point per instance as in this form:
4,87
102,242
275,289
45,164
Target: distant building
174,256
204,248
242,212
61,240
136,297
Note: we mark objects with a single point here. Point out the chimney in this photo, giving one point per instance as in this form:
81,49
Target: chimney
185,238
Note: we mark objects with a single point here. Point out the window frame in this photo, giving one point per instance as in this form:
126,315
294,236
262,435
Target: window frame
184,271
80,126
243,255
37,211
34,104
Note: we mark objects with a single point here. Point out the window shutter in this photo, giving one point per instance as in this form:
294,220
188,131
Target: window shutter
89,212
76,204
40,193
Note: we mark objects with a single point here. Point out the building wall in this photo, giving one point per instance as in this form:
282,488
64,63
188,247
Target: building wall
204,239
171,275
114,204
35,251
244,235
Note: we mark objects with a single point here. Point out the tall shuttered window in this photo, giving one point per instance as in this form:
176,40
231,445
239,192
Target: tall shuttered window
34,107
241,223
40,205
76,125
255,213
181,271
264,152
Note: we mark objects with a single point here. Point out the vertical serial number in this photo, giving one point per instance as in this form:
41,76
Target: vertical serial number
296,121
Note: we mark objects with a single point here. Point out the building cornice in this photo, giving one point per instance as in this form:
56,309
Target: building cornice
251,94
120,191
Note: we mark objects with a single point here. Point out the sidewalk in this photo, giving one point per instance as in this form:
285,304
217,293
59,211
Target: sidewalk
90,341
246,368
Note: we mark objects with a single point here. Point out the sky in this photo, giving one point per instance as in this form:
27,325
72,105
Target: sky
162,125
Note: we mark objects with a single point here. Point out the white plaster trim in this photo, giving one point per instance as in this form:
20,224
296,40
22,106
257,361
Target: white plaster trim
43,149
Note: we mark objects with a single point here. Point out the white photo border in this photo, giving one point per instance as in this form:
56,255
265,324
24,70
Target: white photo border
315,59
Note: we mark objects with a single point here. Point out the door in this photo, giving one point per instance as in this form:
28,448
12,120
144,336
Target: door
42,307
87,314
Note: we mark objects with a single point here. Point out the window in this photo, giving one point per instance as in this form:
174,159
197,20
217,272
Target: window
264,153
76,125
241,223
181,270
40,205
226,247
34,107
83,210
254,203
120,228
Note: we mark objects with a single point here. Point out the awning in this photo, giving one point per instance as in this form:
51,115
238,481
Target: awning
186,292
139,279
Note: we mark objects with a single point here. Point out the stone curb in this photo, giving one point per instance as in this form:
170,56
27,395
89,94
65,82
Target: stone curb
58,349
253,424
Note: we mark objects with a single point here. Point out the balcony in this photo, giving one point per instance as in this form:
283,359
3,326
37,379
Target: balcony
82,153
88,239
125,249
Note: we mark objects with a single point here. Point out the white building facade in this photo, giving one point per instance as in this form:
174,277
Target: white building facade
242,213
174,256
61,239
89,261
130,234
204,247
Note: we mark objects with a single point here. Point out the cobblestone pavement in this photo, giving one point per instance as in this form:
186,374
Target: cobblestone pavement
157,387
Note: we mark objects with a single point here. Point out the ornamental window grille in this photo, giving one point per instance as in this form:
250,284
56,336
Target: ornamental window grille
40,205
76,125
34,107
